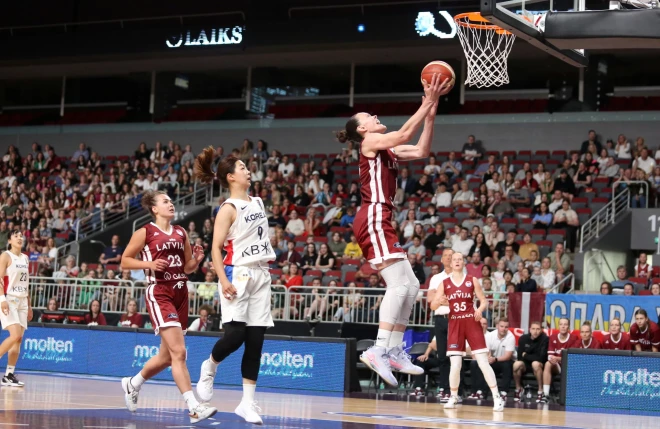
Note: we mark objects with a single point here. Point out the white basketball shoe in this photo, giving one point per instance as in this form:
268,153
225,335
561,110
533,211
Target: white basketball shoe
249,412
205,383
378,360
130,394
400,361
201,412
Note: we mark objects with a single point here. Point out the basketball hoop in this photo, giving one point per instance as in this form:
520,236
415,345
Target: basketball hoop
486,48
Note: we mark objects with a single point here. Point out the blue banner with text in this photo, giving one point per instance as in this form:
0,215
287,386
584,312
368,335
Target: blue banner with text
598,309
284,364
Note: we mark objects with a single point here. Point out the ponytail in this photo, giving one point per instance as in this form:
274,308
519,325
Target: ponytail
350,132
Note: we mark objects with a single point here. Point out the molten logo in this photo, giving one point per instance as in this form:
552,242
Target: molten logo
286,364
640,383
48,349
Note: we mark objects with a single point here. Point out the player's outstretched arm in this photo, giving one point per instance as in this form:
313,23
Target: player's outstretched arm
423,147
223,221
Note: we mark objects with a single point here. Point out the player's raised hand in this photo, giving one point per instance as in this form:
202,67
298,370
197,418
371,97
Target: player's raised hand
159,265
437,88
477,315
228,291
198,253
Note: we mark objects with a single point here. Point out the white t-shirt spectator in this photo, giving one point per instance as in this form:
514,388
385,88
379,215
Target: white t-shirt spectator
495,187
432,170
647,165
548,279
285,169
623,151
296,226
498,346
462,246
464,196
442,199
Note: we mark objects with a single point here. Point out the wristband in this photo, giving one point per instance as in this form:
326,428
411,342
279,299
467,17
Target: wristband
3,298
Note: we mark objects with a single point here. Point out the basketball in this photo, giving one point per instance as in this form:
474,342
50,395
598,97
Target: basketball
438,67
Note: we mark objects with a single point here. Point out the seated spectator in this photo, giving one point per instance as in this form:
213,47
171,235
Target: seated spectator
431,216
295,227
481,248
519,197
416,252
616,340
527,247
325,260
565,185
324,197
643,269
644,334
423,187
337,245
655,289
403,214
511,258
500,208
94,317
442,198
463,244
452,167
610,169
434,241
510,241
501,345
353,250
560,262
472,150
286,168
644,162
312,224
112,254
527,284
350,305
276,218
464,197
207,291
628,289
334,214
348,218
289,256
542,219
201,323
131,319
587,339
606,288
473,219
567,219
494,183
547,274
475,267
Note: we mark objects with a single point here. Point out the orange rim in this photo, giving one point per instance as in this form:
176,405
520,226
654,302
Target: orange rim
475,20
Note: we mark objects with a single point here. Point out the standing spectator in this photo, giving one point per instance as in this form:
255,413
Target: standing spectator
567,219
501,345
112,254
532,355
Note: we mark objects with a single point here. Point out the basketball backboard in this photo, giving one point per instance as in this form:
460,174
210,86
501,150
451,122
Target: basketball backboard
521,18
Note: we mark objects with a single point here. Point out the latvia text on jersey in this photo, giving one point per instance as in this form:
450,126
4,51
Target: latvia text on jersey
168,246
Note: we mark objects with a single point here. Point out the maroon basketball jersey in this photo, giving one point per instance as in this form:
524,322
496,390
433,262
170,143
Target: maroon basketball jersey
622,344
647,339
461,297
556,345
170,247
593,344
378,177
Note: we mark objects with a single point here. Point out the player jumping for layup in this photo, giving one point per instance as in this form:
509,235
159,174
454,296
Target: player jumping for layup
241,227
167,258
15,305
460,290
379,155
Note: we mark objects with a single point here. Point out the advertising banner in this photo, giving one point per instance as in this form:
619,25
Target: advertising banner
284,364
598,309
619,382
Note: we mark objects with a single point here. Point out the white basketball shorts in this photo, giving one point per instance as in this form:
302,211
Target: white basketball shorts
251,304
18,312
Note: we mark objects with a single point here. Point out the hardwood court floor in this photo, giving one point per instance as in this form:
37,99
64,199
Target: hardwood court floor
49,401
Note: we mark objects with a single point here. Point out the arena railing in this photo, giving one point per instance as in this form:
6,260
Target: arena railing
341,304
559,287
607,215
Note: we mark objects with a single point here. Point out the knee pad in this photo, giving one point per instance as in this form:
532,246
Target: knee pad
411,296
455,372
396,281
230,342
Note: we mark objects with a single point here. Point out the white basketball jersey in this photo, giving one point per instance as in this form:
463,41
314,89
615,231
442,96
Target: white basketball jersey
17,273
247,241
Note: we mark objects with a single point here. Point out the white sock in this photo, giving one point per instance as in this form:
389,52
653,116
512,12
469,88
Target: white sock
396,338
248,393
190,399
546,389
137,381
211,362
10,370
383,338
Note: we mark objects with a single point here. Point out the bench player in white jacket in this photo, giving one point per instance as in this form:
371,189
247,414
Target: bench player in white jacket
241,229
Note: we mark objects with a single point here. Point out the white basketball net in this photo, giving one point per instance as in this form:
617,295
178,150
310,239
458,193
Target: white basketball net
486,51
